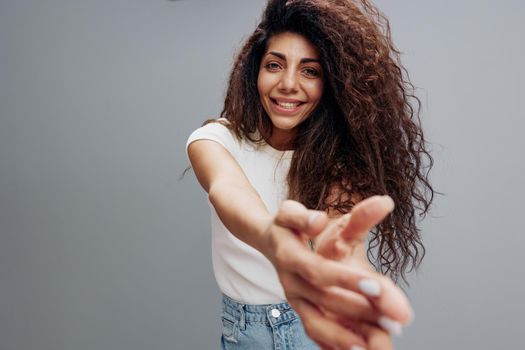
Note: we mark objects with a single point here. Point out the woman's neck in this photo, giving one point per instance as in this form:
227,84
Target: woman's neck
282,140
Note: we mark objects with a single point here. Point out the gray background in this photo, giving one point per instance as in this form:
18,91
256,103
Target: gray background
102,247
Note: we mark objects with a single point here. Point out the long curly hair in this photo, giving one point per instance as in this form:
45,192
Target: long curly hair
366,127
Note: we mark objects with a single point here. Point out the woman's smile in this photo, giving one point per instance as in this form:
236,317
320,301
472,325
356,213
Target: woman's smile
286,106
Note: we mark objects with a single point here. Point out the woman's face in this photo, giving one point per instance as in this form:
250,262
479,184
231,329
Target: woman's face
290,84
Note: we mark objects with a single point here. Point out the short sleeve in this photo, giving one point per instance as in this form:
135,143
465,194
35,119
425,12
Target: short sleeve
215,132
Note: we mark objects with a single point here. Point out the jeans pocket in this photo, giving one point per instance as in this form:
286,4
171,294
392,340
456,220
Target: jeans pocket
229,330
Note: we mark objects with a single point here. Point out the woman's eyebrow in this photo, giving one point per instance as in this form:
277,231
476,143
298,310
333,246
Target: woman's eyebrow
283,57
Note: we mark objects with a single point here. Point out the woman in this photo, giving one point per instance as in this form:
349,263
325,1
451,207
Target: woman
318,111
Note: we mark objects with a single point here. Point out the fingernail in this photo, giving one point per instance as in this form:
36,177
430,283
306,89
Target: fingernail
388,324
356,347
312,218
370,287
390,200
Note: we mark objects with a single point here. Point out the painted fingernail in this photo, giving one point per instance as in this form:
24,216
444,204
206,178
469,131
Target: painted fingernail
390,201
388,324
312,218
369,287
356,347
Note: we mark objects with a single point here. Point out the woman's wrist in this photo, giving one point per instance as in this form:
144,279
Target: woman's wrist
264,231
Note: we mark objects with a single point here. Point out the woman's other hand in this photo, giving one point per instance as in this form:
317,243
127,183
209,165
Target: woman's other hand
323,291
344,240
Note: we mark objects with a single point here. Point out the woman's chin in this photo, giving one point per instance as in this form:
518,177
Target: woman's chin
285,124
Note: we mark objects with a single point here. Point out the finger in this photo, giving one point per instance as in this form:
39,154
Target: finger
344,303
322,272
387,324
329,242
324,330
365,215
379,290
324,346
394,305
341,250
376,338
293,215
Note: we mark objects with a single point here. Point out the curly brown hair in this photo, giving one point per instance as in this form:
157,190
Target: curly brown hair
366,126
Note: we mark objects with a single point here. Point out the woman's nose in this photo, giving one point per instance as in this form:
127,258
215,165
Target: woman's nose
289,82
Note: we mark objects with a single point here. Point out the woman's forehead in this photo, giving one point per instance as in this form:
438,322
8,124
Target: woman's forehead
290,43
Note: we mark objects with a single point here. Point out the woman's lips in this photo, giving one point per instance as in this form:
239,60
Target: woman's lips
286,107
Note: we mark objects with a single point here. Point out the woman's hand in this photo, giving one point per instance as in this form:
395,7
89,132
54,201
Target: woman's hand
344,240
323,291
345,236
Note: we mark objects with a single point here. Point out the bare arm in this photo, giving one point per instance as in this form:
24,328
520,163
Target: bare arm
237,203
306,276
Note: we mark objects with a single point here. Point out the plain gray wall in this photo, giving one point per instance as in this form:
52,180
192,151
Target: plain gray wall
102,247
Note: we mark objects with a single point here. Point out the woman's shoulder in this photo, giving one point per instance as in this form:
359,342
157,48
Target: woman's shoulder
216,125
217,130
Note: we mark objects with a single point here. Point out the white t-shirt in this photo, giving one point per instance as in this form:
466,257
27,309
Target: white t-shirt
242,272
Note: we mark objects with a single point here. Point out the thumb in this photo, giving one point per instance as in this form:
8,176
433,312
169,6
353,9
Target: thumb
295,216
365,215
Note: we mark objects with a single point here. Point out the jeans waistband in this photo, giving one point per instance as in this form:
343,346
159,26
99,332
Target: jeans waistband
270,314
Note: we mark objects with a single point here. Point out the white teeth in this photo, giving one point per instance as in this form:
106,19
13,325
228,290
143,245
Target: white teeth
288,105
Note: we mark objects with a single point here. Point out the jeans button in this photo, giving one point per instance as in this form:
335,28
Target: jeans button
276,313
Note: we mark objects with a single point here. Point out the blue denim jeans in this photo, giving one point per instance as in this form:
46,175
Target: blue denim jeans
262,327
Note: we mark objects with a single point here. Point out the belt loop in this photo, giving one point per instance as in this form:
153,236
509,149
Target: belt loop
242,321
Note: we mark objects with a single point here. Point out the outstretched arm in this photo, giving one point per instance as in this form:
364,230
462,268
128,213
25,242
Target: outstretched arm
306,276
236,201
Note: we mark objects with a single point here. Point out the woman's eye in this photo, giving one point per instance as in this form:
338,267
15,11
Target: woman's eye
272,66
311,72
